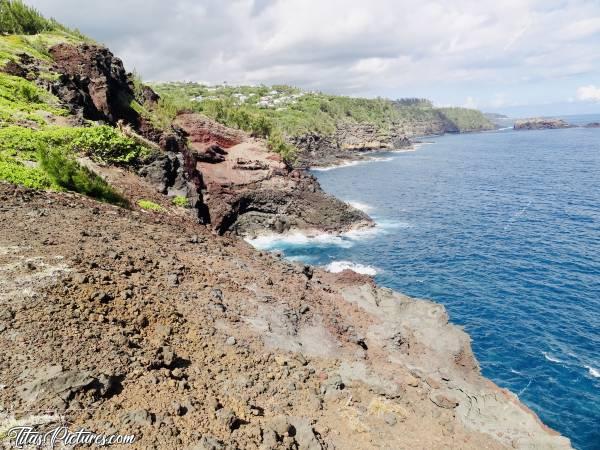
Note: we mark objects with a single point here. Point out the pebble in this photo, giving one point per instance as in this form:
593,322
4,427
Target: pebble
231,340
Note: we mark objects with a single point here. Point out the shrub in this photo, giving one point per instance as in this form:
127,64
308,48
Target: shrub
150,206
107,144
181,201
69,174
101,143
16,172
278,144
22,99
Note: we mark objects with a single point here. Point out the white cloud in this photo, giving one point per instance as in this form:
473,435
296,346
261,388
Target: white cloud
589,93
393,47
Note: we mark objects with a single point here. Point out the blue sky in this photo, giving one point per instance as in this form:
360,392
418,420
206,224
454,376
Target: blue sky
521,57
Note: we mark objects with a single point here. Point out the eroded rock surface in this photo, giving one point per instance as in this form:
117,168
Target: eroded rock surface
250,190
94,82
149,324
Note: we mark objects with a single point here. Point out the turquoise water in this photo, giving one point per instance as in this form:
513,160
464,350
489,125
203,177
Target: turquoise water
503,228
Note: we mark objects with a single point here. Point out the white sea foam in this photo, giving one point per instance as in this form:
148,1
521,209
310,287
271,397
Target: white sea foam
339,266
344,240
297,239
361,206
337,166
352,163
551,358
593,372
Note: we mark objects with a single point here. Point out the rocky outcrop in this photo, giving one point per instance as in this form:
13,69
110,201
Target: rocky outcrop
250,190
349,142
539,123
593,125
148,324
94,82
355,141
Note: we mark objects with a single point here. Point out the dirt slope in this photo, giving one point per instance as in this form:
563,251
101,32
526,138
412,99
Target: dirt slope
149,324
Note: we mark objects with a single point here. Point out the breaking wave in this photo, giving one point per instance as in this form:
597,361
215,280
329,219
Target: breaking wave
352,163
339,266
361,206
593,372
551,358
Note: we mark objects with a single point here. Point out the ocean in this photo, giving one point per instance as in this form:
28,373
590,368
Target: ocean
503,228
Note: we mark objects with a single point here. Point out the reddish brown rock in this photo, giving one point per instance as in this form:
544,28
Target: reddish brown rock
93,81
250,190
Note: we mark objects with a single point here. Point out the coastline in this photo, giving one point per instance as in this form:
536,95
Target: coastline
343,362
163,321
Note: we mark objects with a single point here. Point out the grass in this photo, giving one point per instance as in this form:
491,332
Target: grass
181,201
18,18
23,101
150,206
15,171
67,173
46,158
101,143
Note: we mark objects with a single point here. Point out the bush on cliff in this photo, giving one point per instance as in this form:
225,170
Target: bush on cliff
22,101
101,143
17,172
45,159
18,18
67,173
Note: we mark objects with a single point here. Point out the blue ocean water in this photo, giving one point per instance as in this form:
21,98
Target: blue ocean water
503,228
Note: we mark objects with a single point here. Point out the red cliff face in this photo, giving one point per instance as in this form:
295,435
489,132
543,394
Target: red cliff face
250,189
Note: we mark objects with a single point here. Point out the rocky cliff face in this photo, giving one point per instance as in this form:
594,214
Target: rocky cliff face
354,141
349,142
250,190
233,182
93,82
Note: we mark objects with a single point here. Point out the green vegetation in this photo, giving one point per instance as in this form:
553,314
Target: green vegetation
466,119
150,206
67,173
23,101
101,143
18,18
279,112
45,159
181,201
15,171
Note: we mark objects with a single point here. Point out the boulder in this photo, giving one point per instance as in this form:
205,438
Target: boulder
93,81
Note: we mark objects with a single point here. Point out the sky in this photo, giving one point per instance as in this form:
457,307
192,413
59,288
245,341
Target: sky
516,57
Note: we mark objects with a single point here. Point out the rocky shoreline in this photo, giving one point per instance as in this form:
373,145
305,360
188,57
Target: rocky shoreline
148,324
167,325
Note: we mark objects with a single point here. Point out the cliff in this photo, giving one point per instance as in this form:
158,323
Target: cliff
323,129
250,190
124,309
